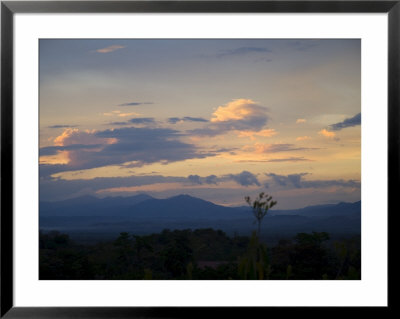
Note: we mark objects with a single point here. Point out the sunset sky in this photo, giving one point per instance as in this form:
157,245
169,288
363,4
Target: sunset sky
215,119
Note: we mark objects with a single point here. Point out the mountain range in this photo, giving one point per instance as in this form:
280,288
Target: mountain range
145,214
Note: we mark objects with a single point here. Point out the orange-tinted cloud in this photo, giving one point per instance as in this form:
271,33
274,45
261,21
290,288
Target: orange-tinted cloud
238,110
252,134
75,136
238,115
59,140
62,157
93,149
276,148
109,49
303,138
156,187
120,114
300,121
327,133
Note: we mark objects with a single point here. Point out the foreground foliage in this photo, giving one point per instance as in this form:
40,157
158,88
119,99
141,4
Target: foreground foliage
199,254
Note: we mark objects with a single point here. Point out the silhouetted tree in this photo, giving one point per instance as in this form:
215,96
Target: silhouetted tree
260,207
179,254
141,244
255,263
309,257
124,249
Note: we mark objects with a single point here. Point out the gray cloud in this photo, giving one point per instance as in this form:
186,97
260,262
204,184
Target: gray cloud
174,120
52,150
353,121
117,123
135,103
139,145
230,150
242,51
211,179
303,45
245,178
194,119
62,126
277,148
253,123
194,179
142,120
297,181
55,189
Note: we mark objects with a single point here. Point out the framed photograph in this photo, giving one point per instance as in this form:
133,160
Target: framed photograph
183,158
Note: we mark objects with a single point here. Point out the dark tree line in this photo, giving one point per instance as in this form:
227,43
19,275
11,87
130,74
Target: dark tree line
200,254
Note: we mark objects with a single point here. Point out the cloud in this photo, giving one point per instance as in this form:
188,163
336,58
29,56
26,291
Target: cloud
283,180
135,103
211,179
112,113
303,138
262,59
120,114
195,179
57,188
229,150
289,159
276,160
237,115
117,123
75,136
53,150
194,119
110,48
150,144
62,126
127,114
328,134
118,146
54,189
277,148
263,133
245,178
350,122
298,121
54,157
241,109
297,181
174,120
142,120
242,51
303,45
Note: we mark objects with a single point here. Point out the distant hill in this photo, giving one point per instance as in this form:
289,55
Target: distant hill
182,207
92,206
144,214
341,209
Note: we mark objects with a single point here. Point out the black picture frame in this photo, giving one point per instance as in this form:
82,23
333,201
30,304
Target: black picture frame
9,8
